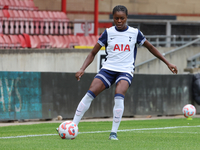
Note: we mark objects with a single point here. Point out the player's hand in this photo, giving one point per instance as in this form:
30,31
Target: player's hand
79,74
173,68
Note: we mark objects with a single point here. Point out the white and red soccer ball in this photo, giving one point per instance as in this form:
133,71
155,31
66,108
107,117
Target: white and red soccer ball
68,130
189,111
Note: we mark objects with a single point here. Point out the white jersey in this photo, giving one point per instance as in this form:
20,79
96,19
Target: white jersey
121,48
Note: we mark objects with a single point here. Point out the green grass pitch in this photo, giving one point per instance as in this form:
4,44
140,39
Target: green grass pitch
158,134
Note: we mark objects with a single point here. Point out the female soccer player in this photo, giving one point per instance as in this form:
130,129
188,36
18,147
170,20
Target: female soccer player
120,42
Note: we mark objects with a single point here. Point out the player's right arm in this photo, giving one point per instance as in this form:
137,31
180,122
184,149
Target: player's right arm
88,61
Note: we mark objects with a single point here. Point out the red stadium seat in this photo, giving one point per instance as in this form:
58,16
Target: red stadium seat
1,21
8,43
73,40
65,43
14,41
33,42
66,38
22,41
6,21
1,5
2,43
17,41
62,22
18,5
59,43
82,41
65,21
56,23
46,21
32,22
17,21
22,5
11,22
89,40
29,26
28,40
94,39
40,14
6,4
26,22
12,4
21,18
37,39
47,40
44,42
52,41
30,5
51,22
36,22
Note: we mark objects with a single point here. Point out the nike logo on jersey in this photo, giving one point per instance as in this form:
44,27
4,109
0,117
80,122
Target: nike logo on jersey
111,38
121,47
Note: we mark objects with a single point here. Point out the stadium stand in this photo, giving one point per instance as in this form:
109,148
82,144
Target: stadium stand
18,4
22,25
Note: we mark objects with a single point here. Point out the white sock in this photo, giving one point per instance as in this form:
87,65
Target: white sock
83,106
117,112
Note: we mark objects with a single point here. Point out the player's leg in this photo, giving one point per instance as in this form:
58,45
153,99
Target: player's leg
123,83
96,87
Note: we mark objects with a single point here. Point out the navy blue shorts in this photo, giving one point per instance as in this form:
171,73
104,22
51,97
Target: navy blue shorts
109,77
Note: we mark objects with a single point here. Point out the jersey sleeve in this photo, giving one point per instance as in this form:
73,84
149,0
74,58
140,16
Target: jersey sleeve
140,38
103,38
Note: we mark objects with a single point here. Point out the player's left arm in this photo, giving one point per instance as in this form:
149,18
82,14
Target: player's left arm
156,53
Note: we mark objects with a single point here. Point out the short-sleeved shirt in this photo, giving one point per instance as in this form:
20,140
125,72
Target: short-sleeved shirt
121,48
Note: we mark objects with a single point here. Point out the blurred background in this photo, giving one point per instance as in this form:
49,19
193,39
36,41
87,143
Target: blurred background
44,42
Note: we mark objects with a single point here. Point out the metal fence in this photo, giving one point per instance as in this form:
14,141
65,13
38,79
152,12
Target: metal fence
194,42
194,61
172,41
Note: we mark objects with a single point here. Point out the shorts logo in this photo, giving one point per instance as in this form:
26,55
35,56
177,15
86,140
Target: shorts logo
121,48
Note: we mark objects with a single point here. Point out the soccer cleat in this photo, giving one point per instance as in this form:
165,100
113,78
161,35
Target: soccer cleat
57,129
113,136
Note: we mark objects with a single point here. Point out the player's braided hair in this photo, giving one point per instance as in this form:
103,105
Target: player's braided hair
120,8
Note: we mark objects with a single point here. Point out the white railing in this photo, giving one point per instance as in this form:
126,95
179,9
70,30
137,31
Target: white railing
173,50
194,61
172,41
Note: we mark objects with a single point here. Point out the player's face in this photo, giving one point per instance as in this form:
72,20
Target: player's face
120,19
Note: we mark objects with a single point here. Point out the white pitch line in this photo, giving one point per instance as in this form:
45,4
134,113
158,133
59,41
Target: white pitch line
126,130
22,136
167,132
